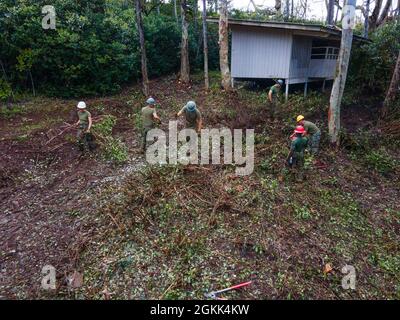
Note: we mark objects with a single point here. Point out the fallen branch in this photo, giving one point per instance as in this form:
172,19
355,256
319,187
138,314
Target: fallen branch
62,132
68,127
57,146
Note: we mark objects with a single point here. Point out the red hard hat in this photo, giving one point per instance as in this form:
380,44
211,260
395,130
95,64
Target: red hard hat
299,129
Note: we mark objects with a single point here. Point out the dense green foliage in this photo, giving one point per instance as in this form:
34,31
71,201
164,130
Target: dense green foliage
372,63
94,49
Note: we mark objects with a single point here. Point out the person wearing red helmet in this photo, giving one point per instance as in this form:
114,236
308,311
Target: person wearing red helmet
295,157
312,132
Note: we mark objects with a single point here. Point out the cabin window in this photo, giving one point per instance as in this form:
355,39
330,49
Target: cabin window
333,53
325,53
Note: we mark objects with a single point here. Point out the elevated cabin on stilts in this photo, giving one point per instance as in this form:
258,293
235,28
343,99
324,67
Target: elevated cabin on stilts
295,52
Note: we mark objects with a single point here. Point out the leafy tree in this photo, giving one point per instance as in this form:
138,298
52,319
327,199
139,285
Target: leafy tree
94,49
372,63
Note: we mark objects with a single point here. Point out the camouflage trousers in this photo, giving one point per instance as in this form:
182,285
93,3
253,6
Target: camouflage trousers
298,166
145,131
314,142
84,139
273,108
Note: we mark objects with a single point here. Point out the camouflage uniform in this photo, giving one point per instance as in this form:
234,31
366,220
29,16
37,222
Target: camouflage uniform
314,134
148,123
297,148
191,119
273,105
84,139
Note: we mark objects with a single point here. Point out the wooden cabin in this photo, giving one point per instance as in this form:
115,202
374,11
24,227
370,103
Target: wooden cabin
294,52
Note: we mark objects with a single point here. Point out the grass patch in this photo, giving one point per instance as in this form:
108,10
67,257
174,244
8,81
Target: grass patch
22,138
12,112
380,161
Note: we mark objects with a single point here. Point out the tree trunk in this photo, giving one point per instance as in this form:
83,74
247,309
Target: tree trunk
287,10
195,12
341,74
33,84
366,19
175,11
337,11
375,15
331,10
278,6
205,46
185,67
292,10
224,45
139,24
385,13
393,88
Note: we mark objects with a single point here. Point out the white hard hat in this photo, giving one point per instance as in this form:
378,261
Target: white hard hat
81,105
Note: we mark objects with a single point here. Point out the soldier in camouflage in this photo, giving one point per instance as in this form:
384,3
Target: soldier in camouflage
84,138
273,95
149,116
295,157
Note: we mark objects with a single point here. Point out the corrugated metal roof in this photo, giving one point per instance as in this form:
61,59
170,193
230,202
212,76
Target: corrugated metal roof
314,28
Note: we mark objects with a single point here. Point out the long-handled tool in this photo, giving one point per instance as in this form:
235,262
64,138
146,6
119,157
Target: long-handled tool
213,294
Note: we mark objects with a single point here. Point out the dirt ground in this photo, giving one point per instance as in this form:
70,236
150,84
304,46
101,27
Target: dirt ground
140,232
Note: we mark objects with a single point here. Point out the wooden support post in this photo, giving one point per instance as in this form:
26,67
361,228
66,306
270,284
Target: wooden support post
305,88
286,89
323,86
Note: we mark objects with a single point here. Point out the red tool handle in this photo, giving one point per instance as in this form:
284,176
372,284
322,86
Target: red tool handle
240,285
214,293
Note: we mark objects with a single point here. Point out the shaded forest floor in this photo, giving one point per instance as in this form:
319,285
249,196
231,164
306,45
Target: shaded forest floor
136,231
